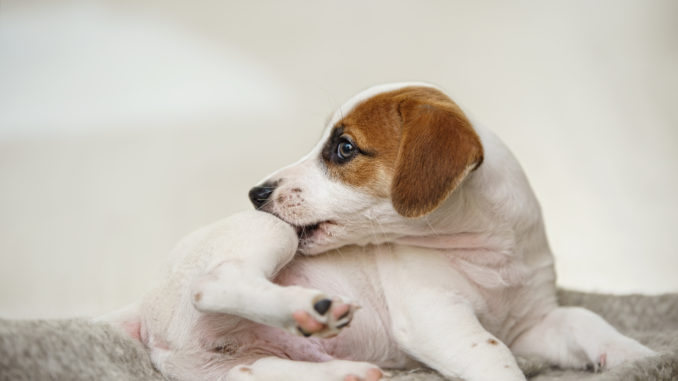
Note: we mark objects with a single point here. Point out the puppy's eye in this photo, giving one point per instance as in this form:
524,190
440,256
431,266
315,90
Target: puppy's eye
345,150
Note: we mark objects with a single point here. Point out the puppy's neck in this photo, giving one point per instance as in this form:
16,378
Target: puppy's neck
466,241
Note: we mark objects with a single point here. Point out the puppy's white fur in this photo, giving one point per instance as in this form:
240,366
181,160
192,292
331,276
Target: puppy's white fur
458,289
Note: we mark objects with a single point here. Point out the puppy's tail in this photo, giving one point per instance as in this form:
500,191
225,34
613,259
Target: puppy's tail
127,319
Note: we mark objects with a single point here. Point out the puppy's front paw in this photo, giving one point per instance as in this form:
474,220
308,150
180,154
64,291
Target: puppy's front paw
328,318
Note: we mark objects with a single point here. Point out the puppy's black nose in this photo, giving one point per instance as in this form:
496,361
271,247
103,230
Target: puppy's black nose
259,195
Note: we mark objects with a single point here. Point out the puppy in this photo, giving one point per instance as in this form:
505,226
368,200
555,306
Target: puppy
423,218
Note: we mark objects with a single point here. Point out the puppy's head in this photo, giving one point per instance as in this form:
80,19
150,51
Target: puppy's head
388,157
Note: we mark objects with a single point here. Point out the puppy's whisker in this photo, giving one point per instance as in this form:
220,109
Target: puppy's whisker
381,227
430,226
340,253
265,204
374,232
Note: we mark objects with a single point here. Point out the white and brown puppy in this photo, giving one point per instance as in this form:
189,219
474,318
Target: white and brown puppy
423,218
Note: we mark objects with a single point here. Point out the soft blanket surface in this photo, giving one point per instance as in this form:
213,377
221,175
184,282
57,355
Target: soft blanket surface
82,350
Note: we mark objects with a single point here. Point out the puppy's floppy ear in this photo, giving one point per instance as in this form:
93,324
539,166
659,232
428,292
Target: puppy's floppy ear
438,148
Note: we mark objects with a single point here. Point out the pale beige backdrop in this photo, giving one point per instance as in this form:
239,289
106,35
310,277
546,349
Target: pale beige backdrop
126,124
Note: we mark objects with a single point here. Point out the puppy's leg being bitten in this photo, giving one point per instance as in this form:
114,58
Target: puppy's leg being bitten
237,289
238,282
573,337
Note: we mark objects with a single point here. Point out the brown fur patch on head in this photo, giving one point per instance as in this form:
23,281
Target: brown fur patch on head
415,146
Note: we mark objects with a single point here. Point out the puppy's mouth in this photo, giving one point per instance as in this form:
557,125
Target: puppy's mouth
313,234
307,232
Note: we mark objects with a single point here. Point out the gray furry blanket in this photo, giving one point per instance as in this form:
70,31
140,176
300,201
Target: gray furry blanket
81,350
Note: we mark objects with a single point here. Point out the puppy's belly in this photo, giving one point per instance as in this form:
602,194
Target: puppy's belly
352,275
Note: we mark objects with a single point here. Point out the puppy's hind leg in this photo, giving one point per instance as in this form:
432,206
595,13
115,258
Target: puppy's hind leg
574,337
277,369
208,367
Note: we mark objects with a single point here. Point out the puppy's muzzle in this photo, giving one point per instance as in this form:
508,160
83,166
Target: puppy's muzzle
259,195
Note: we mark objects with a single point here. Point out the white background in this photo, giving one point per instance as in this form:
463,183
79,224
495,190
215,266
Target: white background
124,125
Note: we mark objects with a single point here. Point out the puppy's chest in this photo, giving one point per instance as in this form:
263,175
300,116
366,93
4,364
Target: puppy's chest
490,281
500,289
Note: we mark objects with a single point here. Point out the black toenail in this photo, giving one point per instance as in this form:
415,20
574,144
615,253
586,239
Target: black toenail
306,334
322,306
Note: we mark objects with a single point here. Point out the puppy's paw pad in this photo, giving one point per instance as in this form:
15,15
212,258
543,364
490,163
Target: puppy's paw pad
328,318
602,361
306,324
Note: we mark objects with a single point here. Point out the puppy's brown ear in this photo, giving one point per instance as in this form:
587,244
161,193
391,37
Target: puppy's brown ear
438,148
